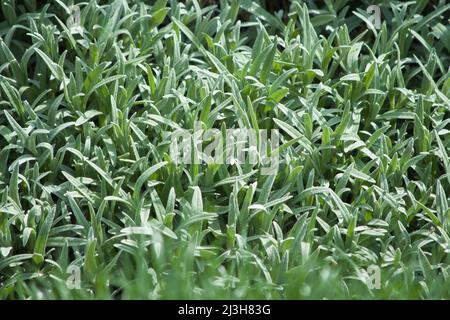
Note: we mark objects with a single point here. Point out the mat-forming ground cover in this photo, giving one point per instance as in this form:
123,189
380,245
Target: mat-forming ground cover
93,205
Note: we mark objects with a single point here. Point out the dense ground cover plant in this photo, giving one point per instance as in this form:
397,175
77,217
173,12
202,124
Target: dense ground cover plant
88,189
